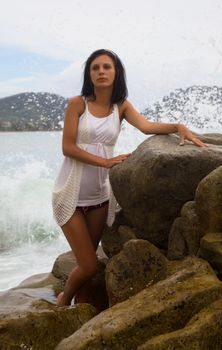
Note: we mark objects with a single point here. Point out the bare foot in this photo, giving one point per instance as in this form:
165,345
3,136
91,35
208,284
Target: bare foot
59,298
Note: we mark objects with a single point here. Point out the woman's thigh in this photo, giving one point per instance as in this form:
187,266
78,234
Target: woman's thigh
77,234
96,220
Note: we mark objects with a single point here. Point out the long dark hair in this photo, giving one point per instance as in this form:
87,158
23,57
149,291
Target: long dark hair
120,92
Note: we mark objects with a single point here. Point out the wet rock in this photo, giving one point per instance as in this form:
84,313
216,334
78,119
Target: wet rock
27,322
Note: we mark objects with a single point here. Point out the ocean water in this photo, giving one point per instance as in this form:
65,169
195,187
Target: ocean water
30,240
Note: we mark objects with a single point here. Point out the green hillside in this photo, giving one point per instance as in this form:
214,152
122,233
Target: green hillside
32,111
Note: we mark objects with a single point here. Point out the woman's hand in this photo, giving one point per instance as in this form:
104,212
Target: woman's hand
186,134
109,163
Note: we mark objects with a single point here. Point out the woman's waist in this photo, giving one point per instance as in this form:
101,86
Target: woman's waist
96,144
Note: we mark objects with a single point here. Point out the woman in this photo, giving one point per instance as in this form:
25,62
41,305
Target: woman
82,198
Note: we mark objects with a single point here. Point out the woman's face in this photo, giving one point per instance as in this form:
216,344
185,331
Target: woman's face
102,71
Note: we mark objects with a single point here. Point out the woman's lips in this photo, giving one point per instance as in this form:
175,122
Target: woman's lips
101,79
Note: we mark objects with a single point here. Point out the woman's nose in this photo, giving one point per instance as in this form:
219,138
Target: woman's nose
101,70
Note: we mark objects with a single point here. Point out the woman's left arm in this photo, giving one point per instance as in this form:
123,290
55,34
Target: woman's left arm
147,127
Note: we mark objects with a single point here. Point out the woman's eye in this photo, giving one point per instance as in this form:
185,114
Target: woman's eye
107,66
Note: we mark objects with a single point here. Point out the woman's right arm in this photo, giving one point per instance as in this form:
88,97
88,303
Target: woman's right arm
69,147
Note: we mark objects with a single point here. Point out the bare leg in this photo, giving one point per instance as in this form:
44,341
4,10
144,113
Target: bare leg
78,236
95,222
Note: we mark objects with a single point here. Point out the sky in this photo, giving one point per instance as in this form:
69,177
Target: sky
164,45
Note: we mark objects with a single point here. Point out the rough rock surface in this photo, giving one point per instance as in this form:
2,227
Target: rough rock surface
115,237
28,322
158,178
184,237
203,332
208,200
137,266
211,138
164,307
211,250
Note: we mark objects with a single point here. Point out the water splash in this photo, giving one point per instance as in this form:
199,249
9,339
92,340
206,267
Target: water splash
26,215
199,107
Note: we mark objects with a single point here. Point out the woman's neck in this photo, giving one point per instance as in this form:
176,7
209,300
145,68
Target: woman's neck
103,97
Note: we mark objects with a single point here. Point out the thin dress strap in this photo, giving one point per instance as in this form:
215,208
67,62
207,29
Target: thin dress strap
86,103
116,113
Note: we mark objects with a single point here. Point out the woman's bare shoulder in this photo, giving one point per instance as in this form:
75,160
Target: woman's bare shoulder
123,107
76,104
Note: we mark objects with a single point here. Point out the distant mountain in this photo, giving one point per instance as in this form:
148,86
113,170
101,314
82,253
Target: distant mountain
196,106
32,111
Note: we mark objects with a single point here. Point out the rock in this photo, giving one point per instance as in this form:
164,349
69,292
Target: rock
212,138
40,286
209,202
184,237
63,265
155,182
202,332
164,307
211,250
114,238
26,322
138,265
38,281
98,295
189,265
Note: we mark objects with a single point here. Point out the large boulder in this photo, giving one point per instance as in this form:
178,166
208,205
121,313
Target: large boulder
161,308
138,265
155,182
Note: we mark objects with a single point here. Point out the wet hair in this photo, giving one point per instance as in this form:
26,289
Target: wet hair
120,91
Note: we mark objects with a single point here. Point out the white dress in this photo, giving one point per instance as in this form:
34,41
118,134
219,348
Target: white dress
81,184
